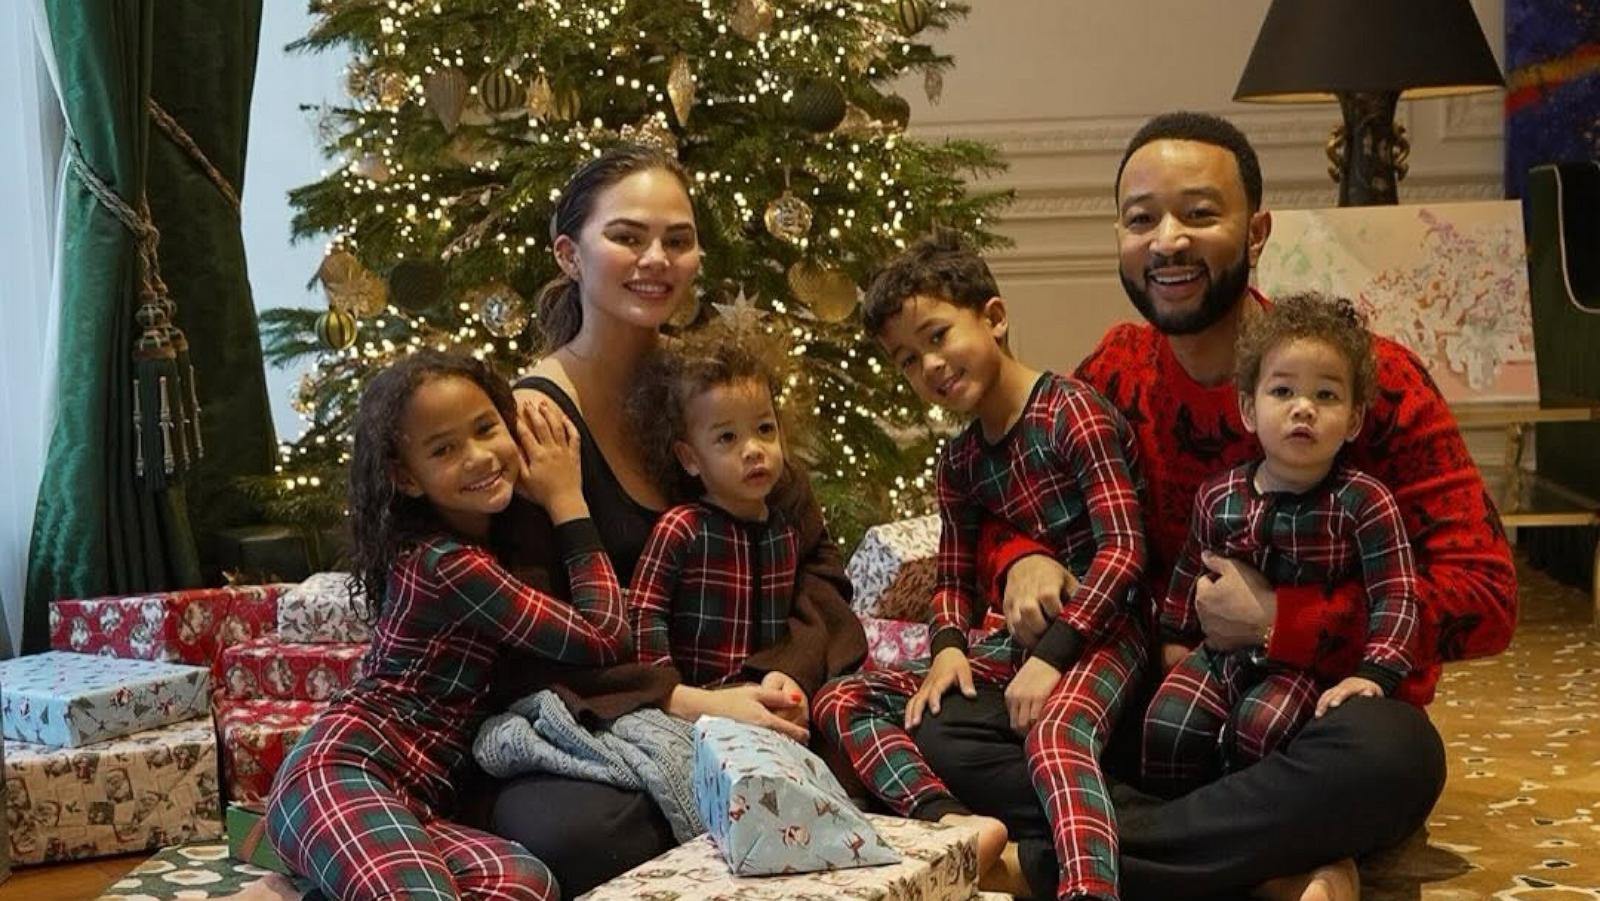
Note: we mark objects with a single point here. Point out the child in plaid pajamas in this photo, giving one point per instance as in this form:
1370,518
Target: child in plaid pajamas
360,804
716,580
1047,455
1305,374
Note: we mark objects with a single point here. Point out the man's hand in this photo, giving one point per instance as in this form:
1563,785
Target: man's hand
1235,603
1028,691
950,667
799,712
1035,586
1352,687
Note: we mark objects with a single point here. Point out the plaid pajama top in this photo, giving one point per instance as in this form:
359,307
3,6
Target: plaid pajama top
1065,475
1346,527
450,612
711,589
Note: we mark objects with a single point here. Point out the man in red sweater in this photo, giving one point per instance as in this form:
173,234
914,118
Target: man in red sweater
1189,227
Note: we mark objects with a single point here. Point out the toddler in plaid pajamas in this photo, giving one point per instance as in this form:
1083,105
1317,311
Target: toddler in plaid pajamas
1305,374
360,804
716,580
1051,458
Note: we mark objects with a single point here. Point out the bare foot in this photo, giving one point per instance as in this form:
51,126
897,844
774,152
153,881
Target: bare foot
1006,875
1334,882
268,888
991,836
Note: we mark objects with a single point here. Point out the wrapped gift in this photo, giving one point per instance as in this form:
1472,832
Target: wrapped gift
176,627
256,737
69,700
290,671
144,791
772,806
937,863
320,609
892,570
247,838
893,643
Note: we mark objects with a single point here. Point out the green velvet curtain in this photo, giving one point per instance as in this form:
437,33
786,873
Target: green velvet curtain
109,519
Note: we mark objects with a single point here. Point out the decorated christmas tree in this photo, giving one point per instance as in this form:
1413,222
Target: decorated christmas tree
465,118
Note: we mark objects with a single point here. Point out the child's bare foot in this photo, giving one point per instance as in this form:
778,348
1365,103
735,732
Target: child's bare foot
1334,882
991,836
1006,875
272,887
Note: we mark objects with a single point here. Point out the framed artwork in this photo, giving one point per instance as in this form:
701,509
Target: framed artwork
1447,280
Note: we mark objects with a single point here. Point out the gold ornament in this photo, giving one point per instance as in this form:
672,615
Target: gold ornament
541,99
367,296
339,268
788,218
392,90
336,329
447,96
742,316
651,132
372,167
471,150
856,124
502,310
753,18
680,87
685,314
913,16
500,93
933,86
830,293
567,105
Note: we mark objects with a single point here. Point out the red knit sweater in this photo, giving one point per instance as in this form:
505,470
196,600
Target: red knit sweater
1466,584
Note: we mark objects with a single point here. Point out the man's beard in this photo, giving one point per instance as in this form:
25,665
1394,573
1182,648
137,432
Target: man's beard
1220,297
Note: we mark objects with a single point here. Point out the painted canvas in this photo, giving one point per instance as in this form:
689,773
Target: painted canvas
1447,280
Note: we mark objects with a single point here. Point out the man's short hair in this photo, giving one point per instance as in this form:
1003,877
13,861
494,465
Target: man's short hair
1205,129
940,265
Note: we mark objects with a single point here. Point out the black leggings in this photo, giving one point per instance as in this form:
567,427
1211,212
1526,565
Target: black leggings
1362,778
585,832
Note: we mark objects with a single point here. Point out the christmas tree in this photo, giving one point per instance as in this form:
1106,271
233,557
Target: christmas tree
466,117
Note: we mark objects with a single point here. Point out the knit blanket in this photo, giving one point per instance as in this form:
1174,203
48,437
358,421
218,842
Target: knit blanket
646,750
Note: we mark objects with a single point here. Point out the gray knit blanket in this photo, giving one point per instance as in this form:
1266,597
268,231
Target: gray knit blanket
648,750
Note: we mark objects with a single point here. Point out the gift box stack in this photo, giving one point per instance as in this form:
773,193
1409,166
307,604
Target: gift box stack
113,740
274,686
892,572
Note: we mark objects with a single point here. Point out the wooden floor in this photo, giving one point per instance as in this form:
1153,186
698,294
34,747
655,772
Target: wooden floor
68,882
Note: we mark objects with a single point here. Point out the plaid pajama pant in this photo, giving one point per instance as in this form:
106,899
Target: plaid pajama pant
335,817
862,716
1220,711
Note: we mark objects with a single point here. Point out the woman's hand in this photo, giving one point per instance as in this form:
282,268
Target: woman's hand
551,475
1350,687
753,704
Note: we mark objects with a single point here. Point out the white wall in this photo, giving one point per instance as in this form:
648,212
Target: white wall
282,155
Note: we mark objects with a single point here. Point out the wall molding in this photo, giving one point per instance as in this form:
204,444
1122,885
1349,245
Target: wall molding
1473,117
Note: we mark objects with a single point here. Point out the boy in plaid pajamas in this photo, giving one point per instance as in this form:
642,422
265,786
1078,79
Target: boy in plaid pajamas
1050,457
1305,374
359,804
716,580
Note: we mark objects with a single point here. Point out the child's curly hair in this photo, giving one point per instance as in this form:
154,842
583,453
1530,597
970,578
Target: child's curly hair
715,356
940,264
1334,321
384,521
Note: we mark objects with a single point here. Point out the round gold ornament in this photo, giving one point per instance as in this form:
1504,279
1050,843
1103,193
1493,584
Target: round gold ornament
788,218
336,329
339,268
830,293
913,15
502,311
392,90
368,295
500,93
567,105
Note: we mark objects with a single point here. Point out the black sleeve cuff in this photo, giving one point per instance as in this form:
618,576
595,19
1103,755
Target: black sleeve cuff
948,637
1060,645
1168,635
578,536
1387,679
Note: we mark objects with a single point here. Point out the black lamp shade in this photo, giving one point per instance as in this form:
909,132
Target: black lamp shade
1310,50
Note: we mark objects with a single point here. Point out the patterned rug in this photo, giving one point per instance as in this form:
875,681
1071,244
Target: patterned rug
1519,819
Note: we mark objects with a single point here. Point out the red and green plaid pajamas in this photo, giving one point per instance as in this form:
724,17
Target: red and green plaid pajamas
710,590
1065,474
358,803
1347,527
